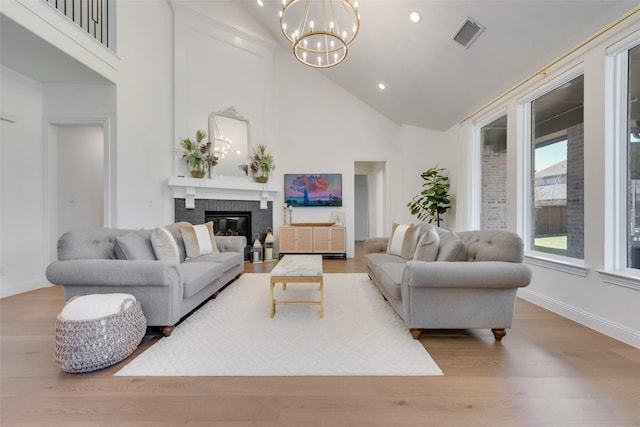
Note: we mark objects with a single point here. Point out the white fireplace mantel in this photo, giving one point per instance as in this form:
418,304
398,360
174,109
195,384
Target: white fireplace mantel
220,188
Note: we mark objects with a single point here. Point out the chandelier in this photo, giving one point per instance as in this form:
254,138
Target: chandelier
320,30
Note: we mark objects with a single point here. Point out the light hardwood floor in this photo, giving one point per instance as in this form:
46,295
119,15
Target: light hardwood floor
547,371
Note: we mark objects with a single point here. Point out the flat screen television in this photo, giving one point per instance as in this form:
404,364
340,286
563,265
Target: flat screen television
313,190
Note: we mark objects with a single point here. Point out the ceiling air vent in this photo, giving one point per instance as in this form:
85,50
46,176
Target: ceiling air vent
469,31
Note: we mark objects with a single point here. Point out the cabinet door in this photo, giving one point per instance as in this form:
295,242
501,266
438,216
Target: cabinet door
304,239
321,239
338,242
287,239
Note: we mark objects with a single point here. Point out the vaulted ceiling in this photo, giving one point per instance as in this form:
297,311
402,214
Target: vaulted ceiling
431,80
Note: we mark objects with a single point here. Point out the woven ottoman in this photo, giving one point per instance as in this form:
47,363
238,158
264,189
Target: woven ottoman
96,331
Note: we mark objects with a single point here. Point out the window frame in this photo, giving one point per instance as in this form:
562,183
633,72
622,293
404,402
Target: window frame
557,262
615,269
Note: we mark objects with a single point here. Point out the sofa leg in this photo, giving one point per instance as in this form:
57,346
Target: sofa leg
415,333
167,330
499,334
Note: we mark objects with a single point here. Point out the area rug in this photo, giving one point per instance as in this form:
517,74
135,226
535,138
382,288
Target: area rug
233,335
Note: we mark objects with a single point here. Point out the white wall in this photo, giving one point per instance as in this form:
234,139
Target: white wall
588,300
22,177
145,133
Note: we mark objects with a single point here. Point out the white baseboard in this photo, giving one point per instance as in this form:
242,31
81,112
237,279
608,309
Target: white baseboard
20,288
597,323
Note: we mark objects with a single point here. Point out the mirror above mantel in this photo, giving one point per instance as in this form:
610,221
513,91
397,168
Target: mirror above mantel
229,133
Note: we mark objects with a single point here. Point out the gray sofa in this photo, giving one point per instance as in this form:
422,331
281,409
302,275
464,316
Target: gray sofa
470,285
109,260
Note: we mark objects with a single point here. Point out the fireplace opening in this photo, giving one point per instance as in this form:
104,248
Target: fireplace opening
231,224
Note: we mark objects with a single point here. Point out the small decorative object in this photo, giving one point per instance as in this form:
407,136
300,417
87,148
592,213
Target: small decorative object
268,245
287,214
261,163
337,217
433,201
199,155
257,249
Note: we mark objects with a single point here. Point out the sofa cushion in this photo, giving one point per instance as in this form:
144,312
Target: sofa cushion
403,240
164,245
492,245
451,247
135,245
199,240
228,260
428,246
389,275
198,275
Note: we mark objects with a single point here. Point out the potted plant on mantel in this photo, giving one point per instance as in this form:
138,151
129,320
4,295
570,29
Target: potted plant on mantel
198,155
433,201
261,163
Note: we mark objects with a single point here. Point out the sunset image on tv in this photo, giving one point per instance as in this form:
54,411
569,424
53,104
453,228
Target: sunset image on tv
313,190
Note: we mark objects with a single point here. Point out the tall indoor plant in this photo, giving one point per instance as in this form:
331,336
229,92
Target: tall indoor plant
433,201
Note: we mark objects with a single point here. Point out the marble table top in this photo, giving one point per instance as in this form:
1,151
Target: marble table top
298,265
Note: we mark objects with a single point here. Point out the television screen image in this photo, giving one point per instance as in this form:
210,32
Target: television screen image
313,190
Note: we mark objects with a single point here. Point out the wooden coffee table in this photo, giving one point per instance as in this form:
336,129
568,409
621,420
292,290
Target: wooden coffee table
297,269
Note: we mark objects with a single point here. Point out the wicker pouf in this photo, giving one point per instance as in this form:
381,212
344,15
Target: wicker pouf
96,331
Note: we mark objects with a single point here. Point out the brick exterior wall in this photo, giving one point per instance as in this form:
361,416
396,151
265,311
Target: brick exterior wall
494,189
575,191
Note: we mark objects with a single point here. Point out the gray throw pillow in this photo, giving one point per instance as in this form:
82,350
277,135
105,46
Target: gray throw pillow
451,247
428,246
134,246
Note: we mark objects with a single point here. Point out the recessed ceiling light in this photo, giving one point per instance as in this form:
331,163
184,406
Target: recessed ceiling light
415,17
381,86
260,3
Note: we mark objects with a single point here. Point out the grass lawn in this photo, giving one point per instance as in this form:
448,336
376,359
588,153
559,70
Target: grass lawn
552,244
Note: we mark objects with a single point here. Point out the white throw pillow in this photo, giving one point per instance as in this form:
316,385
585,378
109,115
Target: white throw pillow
164,245
428,245
199,240
95,306
403,241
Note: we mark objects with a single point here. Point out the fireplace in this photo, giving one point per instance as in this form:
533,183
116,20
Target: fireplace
230,217
230,223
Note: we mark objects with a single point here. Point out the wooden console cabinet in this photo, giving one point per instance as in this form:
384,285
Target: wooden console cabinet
313,240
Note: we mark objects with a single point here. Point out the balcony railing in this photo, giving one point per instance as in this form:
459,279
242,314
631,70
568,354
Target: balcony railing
93,16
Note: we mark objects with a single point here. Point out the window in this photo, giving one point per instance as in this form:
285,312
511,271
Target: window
633,159
557,171
493,140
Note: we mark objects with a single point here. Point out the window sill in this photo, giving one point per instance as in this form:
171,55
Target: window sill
565,265
628,278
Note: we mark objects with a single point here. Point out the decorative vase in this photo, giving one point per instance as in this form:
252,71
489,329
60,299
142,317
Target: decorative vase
198,169
262,179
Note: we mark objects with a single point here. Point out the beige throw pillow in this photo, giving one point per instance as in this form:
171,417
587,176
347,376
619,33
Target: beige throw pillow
164,245
403,241
199,240
428,245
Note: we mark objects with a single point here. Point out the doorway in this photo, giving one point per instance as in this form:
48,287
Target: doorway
369,197
76,178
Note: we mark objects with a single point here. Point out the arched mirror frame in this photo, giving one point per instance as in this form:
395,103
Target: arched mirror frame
230,113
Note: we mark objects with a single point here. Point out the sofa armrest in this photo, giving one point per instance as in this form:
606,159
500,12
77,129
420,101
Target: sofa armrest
110,272
480,274
376,245
231,243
